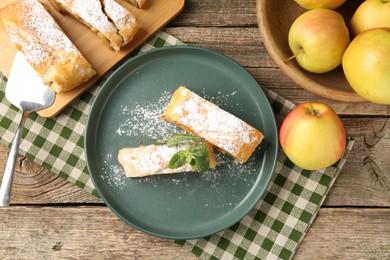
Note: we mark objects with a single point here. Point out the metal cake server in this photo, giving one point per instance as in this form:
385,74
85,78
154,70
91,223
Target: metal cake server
26,91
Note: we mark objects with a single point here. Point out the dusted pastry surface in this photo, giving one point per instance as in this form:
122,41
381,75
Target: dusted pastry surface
154,159
206,120
46,47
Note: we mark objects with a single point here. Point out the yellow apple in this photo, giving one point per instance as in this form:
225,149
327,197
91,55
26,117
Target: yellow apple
318,39
370,14
312,4
313,136
366,65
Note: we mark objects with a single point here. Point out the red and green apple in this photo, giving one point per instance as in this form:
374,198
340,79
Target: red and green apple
313,136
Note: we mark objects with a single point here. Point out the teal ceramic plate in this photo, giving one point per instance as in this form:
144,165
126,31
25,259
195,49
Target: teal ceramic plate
126,112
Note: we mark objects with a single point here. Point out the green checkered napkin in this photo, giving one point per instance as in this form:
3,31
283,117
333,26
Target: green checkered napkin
279,221
272,230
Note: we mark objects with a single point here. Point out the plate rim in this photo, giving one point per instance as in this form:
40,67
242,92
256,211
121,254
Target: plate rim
92,121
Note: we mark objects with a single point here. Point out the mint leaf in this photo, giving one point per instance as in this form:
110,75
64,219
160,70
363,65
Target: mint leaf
178,159
179,138
202,164
195,155
198,149
201,157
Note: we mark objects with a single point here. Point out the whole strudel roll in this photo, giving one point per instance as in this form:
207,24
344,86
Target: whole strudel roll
45,46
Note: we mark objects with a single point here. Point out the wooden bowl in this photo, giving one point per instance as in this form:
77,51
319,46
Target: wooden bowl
275,18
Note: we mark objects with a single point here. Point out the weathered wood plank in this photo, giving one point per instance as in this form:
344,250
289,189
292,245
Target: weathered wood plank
244,45
217,13
347,234
96,233
36,185
365,178
77,233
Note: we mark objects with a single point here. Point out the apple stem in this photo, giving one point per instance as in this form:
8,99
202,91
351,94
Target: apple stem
315,112
291,58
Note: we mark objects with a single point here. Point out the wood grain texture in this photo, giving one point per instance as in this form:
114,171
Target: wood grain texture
223,13
60,233
35,185
77,233
353,233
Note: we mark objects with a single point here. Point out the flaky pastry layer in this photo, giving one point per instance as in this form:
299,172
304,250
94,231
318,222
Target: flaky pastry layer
204,119
154,159
45,46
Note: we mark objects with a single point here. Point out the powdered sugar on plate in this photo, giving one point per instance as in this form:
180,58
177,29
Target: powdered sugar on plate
144,122
114,174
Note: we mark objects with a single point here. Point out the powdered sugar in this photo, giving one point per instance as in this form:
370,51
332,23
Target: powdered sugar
113,173
149,160
227,168
91,11
32,28
118,14
208,121
144,120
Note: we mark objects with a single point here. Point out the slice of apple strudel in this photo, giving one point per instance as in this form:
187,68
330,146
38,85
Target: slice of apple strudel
154,159
206,120
125,22
137,3
113,23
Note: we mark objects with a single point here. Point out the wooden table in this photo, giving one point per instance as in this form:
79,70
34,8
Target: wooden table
51,218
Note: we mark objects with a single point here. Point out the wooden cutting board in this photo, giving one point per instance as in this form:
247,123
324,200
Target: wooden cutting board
152,18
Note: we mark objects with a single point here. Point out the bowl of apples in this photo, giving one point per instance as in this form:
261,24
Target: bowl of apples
307,39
